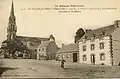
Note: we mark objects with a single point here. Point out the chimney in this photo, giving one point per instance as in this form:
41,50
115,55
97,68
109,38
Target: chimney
63,44
52,38
117,23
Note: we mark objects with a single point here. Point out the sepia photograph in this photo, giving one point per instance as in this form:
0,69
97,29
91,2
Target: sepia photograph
76,39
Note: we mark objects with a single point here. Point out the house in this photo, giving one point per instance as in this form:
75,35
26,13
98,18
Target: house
32,44
47,50
68,52
101,46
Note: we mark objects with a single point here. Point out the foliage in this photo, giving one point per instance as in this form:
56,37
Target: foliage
14,45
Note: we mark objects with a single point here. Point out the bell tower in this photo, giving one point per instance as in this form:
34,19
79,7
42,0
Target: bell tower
12,28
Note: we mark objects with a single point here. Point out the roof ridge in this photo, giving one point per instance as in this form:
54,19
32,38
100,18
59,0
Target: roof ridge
32,37
107,29
103,27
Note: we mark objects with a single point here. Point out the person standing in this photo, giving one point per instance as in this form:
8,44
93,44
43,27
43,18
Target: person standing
62,63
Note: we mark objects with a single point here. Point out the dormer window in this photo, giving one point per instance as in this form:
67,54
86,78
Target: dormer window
84,39
101,35
92,37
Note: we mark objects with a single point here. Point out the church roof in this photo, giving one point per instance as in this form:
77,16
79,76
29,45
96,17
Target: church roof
36,39
103,31
33,41
68,48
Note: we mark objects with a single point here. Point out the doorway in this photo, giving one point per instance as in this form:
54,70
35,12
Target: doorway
74,57
93,59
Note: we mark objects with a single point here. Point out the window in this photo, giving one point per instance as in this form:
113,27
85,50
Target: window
84,58
102,35
84,40
67,55
84,48
101,45
85,37
92,47
102,56
92,37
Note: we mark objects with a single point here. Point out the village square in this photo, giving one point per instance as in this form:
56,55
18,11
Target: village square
95,53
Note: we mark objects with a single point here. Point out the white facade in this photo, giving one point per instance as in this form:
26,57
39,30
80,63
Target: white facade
41,52
101,56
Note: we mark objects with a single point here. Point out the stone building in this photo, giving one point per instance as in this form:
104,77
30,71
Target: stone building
68,52
47,50
32,43
101,46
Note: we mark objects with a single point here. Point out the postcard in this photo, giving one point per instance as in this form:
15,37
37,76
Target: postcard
60,39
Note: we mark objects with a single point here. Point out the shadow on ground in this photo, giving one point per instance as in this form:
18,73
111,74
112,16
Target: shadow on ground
3,69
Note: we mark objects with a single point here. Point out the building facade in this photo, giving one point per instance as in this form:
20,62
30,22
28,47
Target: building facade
47,50
68,52
101,46
32,44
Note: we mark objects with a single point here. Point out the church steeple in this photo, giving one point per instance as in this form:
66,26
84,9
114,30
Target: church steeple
12,29
12,9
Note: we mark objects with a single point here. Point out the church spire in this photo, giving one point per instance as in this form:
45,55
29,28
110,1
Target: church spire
12,29
12,9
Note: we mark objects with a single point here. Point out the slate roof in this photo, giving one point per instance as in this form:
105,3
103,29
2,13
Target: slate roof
68,48
32,38
34,41
103,31
44,44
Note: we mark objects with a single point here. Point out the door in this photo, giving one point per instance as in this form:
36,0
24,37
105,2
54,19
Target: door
93,59
74,57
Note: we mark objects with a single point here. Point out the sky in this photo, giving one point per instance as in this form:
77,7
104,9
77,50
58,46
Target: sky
42,23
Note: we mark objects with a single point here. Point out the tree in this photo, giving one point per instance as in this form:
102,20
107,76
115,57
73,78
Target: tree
11,46
80,32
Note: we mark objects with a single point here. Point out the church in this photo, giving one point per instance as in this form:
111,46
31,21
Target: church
20,46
